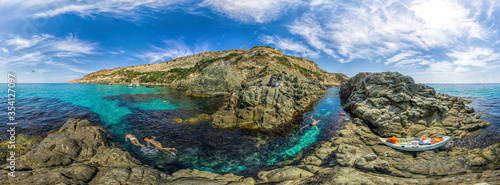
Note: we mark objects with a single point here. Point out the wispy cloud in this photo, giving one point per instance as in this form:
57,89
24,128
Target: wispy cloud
289,45
471,59
257,11
401,56
383,28
171,49
44,49
51,8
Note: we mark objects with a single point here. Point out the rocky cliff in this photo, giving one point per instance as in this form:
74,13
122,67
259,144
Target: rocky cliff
394,105
263,107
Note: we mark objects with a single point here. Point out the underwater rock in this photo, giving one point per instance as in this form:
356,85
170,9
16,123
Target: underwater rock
262,108
394,105
177,120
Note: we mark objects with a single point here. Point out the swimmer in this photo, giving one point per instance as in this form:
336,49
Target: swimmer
164,101
158,145
312,124
133,140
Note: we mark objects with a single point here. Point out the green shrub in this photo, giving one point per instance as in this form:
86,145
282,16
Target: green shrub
304,71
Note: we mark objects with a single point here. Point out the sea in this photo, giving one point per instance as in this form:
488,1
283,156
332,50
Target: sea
42,108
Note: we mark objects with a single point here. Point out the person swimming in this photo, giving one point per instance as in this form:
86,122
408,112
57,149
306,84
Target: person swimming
312,124
133,140
158,145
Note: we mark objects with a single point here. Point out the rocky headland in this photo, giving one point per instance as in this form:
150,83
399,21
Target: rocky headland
394,105
261,107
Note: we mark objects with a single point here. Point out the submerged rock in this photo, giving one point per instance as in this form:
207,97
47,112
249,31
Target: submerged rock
394,105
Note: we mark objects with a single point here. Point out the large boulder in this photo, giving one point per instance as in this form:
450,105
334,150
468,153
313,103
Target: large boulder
214,81
262,108
394,105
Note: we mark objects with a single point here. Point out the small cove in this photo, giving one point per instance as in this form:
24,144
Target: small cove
141,111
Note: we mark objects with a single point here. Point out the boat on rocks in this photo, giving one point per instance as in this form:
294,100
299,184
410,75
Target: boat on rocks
411,144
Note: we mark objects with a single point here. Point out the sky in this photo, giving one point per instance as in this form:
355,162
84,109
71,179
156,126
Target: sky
434,41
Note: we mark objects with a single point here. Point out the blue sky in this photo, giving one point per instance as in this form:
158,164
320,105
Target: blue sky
434,41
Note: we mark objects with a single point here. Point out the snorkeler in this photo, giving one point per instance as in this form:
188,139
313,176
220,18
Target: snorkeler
158,145
312,124
231,99
133,140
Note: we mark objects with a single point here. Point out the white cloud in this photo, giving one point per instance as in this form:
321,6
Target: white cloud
256,11
68,67
371,29
43,49
474,56
400,56
21,43
51,8
472,59
72,46
290,45
172,49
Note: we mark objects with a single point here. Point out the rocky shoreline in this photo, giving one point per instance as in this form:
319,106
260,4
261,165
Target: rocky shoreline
80,153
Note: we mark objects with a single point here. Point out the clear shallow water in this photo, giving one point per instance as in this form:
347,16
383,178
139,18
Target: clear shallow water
43,108
485,98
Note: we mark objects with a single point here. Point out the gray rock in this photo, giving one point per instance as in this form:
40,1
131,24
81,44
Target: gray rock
393,105
214,81
262,108
283,174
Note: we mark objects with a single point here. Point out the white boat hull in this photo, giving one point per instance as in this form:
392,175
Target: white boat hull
406,146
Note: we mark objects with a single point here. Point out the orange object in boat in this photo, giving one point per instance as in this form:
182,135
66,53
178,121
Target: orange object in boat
392,140
436,139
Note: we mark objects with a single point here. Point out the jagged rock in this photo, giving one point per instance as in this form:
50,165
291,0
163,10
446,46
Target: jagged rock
189,176
136,175
77,140
393,105
214,81
114,157
283,174
262,107
73,174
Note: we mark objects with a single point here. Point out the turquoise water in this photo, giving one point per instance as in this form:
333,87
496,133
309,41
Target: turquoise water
486,100
142,111
468,90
